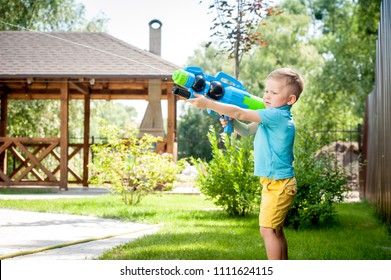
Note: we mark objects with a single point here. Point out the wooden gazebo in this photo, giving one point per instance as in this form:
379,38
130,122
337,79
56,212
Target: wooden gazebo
76,65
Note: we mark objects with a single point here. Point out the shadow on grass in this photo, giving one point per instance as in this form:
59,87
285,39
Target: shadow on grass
197,235
198,245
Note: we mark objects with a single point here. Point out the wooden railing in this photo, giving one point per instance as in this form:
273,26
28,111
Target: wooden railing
35,161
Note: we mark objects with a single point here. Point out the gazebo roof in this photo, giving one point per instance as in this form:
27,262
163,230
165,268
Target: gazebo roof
69,66
26,54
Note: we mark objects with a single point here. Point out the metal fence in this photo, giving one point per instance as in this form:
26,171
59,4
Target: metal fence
377,136
345,144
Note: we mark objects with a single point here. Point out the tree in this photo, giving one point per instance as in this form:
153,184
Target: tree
193,127
47,15
236,26
288,45
347,33
35,118
211,60
114,112
334,49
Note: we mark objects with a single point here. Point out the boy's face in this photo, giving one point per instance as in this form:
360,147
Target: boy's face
277,94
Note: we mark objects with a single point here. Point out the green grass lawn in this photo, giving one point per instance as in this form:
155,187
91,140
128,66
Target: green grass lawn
194,229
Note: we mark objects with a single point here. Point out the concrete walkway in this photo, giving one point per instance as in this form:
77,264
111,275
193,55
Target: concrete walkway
45,236
79,192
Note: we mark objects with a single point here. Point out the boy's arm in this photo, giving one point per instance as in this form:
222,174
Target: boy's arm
243,129
229,110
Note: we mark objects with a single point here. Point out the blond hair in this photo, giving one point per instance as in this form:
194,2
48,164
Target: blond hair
292,78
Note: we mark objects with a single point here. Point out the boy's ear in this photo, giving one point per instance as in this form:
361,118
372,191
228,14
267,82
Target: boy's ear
292,99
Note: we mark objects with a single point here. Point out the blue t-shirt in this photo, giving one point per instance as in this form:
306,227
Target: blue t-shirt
273,144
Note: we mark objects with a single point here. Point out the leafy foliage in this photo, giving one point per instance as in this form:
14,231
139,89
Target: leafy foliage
36,118
228,178
236,26
346,38
47,15
115,112
210,60
287,47
321,184
332,43
130,167
41,118
193,126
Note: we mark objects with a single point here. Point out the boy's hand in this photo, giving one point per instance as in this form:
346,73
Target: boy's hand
224,121
199,101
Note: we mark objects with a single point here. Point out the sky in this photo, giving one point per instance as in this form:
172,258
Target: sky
185,26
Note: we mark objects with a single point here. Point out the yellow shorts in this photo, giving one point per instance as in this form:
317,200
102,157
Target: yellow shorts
277,197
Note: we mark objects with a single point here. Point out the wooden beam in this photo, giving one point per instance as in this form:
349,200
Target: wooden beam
24,162
6,143
81,88
6,180
137,95
86,142
64,133
3,114
29,139
171,125
108,89
3,128
36,161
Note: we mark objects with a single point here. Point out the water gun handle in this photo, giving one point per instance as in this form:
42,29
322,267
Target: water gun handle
229,128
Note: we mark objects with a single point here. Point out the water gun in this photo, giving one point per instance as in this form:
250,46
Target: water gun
222,88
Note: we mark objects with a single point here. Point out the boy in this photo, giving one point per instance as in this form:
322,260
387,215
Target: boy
273,151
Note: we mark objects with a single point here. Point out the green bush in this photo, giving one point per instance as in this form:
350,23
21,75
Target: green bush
229,182
228,178
321,183
130,167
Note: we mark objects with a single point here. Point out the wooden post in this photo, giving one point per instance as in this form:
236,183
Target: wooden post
3,115
86,143
3,129
171,124
64,117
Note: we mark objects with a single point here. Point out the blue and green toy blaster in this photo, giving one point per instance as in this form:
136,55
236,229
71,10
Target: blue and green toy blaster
222,88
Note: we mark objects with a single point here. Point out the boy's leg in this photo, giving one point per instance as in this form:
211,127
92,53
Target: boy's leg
277,196
272,243
283,244
276,245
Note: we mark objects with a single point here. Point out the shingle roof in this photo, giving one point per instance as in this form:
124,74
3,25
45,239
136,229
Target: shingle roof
76,54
